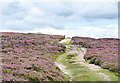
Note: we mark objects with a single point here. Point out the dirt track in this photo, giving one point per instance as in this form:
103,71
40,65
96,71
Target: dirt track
80,60
65,40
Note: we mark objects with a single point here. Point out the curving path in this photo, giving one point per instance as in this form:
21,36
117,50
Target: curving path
80,70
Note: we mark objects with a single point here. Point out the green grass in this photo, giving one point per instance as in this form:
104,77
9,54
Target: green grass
112,75
65,43
7,71
66,76
82,73
79,73
87,61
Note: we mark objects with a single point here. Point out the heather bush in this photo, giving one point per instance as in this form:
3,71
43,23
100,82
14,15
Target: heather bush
99,51
69,56
92,61
31,58
107,66
114,68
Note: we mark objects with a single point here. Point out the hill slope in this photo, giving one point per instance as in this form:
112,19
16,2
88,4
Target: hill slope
30,57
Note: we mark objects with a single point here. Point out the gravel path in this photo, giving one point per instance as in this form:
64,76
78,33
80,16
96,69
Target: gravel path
80,59
65,40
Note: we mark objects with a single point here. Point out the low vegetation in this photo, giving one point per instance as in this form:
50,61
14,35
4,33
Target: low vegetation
31,58
103,52
78,72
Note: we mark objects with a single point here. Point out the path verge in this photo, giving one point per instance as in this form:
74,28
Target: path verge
73,64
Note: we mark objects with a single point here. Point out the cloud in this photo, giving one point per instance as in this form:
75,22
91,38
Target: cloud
96,32
75,18
76,0
101,11
36,12
11,8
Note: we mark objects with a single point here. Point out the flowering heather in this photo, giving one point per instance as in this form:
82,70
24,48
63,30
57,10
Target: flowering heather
31,58
102,52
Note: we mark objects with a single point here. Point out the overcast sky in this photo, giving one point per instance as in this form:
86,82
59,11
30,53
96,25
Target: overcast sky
71,18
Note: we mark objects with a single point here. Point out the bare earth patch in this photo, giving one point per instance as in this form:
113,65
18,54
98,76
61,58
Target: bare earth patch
65,40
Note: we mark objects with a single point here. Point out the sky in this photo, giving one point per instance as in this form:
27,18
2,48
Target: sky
88,18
